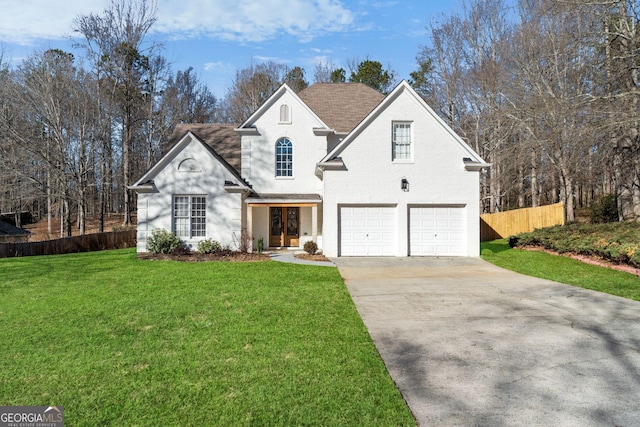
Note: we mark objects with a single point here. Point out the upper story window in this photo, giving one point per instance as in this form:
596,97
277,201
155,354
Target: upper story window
285,114
284,157
401,141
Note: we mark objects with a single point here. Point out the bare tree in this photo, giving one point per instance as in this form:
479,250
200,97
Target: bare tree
468,70
115,44
187,100
621,99
54,126
524,89
250,88
322,72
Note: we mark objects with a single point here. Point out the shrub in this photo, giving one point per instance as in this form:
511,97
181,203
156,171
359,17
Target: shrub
242,241
617,241
605,210
260,245
209,246
163,242
310,247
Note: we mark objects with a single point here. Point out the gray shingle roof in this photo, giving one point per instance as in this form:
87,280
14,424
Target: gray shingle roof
342,106
221,137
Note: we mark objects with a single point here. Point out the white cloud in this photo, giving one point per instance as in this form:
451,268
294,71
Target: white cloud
219,65
25,21
385,4
321,51
275,59
252,20
323,61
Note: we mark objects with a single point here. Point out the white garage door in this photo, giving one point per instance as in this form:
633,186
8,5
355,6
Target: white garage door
437,230
368,231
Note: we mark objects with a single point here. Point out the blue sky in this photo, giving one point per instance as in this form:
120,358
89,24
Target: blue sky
218,37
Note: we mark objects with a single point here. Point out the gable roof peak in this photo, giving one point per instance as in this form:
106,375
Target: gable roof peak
404,87
284,88
219,136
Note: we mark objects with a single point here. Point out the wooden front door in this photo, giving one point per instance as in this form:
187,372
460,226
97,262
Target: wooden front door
284,229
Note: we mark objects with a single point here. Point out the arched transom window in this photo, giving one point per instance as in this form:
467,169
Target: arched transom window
284,157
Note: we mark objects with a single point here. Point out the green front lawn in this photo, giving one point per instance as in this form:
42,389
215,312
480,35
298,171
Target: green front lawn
561,269
122,341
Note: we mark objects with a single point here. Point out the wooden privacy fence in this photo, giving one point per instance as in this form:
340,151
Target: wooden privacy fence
504,224
85,243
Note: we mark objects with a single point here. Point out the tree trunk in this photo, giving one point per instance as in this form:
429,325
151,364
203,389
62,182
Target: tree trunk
535,192
520,185
566,183
126,153
61,209
67,218
49,203
494,183
82,215
624,182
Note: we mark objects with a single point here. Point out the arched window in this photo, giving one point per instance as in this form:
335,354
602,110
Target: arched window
285,116
284,157
189,165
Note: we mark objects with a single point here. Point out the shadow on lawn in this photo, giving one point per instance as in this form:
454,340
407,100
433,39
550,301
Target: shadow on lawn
494,246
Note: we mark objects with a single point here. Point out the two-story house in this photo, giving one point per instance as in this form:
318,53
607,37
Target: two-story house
359,173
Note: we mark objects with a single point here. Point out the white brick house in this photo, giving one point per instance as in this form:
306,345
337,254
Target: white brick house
359,173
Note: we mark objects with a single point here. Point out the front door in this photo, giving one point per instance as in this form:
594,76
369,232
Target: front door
284,227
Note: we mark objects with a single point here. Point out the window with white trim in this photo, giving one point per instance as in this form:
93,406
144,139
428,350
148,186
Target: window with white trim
401,141
190,216
284,158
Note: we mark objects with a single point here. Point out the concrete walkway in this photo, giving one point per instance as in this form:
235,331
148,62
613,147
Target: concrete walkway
286,256
470,344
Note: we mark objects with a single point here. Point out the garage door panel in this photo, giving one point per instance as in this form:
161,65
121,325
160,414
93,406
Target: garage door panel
360,235
438,230
359,223
368,231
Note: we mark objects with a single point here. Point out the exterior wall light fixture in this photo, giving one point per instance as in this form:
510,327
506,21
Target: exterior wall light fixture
404,184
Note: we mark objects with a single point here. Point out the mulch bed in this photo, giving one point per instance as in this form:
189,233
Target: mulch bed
316,257
230,256
593,260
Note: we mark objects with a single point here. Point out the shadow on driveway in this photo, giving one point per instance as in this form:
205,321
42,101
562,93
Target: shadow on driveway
469,343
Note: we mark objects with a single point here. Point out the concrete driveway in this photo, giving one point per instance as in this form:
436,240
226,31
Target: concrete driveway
471,344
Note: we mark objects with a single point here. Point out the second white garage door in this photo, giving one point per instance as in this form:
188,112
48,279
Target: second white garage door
437,230
368,231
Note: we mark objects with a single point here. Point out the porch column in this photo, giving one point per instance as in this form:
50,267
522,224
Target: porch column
314,223
250,227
